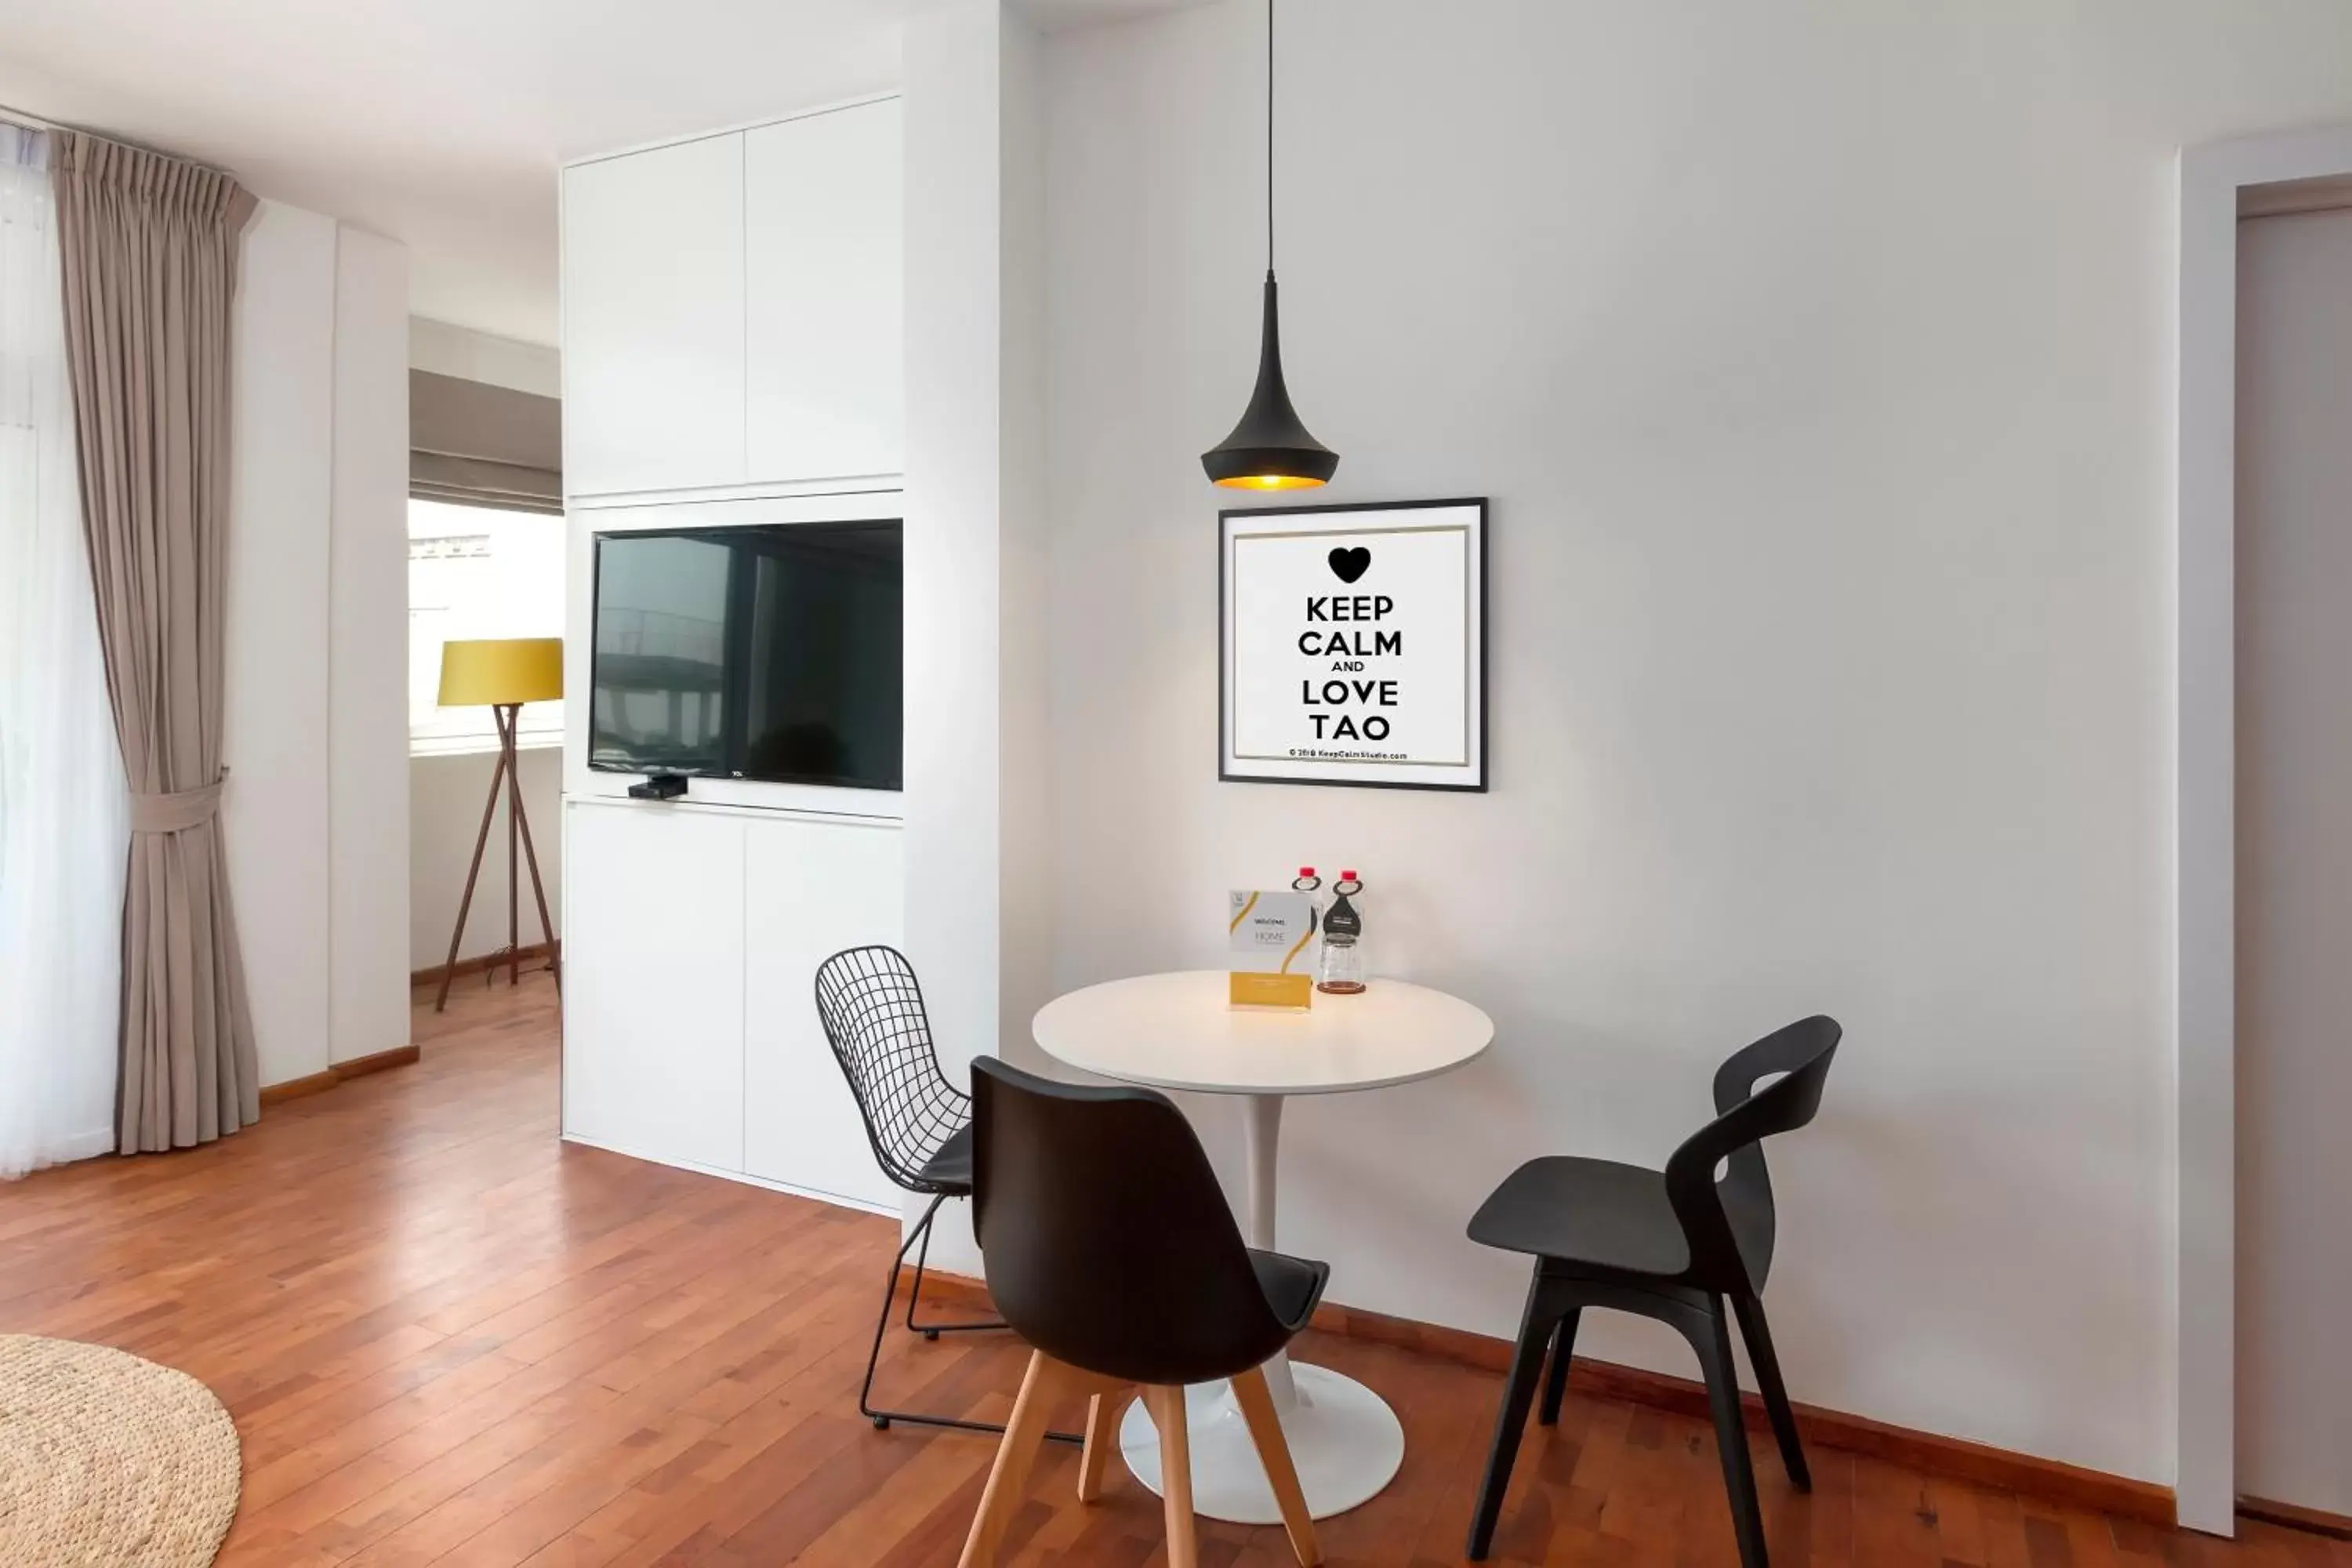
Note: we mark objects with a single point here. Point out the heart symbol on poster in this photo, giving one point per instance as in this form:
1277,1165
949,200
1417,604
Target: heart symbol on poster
1350,565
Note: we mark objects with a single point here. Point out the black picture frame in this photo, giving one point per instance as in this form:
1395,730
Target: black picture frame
1481,753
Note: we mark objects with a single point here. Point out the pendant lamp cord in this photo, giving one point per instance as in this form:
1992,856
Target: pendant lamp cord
1269,138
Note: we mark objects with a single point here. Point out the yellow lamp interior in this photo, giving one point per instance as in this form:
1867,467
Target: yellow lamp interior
1271,482
487,670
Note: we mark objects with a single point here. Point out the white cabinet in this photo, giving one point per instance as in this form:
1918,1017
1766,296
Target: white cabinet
652,319
691,940
824,237
809,890
733,309
653,983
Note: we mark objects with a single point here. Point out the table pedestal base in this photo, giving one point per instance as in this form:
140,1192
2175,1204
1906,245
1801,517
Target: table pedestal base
1344,1439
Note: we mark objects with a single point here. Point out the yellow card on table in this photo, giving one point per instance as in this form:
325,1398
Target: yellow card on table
1268,936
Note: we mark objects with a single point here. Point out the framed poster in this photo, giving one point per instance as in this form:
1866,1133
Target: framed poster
1353,645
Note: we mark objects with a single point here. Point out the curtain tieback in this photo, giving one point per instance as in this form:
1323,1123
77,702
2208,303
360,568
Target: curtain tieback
174,811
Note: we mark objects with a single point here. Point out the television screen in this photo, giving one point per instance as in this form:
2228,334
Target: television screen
766,651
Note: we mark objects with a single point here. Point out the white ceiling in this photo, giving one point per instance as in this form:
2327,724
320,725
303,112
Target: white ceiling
441,122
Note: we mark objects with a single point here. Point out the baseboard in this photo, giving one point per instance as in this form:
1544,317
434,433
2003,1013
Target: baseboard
2295,1517
298,1088
342,1072
531,952
359,1066
2051,1480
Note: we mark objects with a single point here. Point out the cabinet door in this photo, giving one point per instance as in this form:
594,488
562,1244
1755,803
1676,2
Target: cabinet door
652,319
811,889
653,983
824,320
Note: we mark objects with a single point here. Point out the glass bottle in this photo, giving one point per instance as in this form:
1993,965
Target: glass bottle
1342,969
1308,883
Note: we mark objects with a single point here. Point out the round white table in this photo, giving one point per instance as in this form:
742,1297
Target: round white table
1178,1032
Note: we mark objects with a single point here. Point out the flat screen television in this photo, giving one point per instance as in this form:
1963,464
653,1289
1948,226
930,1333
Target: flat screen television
763,651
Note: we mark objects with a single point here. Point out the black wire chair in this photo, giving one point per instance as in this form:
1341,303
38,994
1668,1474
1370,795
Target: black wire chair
918,1124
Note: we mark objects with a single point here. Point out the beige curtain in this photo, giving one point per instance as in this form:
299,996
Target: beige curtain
149,253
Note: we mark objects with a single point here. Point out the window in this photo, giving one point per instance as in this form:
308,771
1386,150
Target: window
476,573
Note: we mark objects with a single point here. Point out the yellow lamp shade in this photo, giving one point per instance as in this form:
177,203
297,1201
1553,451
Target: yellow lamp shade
488,670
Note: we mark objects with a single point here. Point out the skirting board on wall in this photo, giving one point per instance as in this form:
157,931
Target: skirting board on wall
2317,1520
358,1066
2050,1480
533,953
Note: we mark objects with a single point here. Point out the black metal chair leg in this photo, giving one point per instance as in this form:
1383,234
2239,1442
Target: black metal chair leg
1767,1362
1536,1325
915,1293
1711,1337
1563,1347
883,1419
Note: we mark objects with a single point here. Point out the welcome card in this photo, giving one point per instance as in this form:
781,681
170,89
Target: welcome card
1268,934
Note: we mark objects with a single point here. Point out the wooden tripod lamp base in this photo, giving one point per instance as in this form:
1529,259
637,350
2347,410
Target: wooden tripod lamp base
502,674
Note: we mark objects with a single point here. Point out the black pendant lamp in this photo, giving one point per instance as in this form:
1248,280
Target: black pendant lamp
1270,449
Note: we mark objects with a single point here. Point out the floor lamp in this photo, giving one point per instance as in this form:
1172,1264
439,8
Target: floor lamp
502,674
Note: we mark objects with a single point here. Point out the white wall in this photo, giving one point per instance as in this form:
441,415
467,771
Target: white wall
976,762
275,728
469,355
1025,826
315,713
1817,363
2295,844
369,648
445,795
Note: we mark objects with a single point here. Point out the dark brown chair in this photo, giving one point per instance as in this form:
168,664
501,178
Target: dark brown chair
1109,1249
1675,1246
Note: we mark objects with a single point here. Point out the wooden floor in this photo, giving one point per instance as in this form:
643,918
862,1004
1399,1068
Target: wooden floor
448,1337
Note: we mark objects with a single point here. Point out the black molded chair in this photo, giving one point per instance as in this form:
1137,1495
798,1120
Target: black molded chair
918,1124
1675,1245
1110,1249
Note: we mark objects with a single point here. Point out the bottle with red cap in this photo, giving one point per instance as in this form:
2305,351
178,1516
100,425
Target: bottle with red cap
1308,883
1342,968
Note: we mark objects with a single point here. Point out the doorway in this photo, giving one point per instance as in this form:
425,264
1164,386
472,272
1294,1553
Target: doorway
2294,699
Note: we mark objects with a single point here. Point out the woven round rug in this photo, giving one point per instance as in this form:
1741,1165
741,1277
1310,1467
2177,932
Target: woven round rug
107,1462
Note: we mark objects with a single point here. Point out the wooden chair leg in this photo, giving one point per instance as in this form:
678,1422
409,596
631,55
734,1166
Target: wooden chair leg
1166,1408
1102,1438
1274,1452
1758,1335
1544,1311
1555,1387
1712,1340
1008,1479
